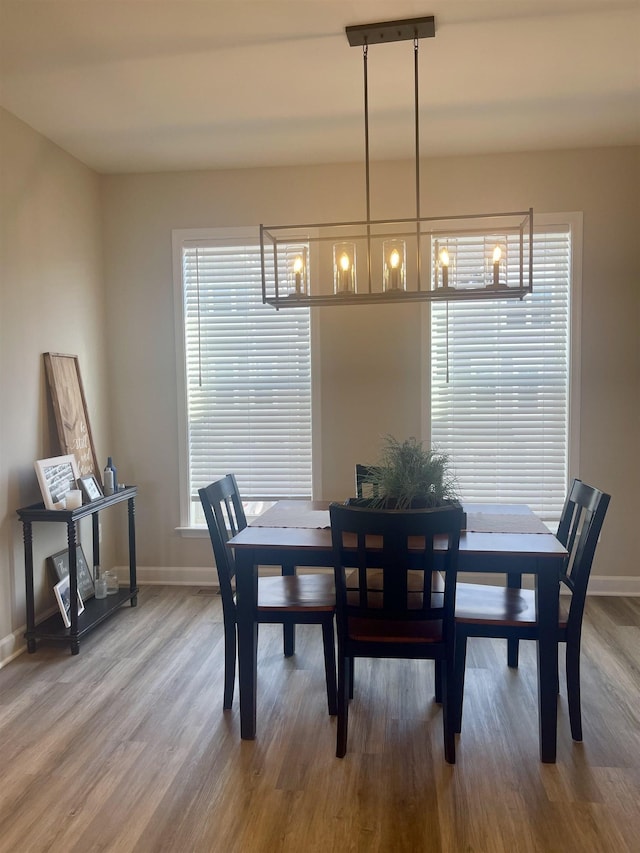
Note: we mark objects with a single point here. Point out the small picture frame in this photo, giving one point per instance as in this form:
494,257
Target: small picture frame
63,597
56,477
60,564
90,488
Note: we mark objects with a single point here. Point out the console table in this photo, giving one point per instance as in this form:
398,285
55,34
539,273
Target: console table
96,610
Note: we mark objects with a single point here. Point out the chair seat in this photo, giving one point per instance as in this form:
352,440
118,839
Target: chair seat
297,592
414,580
414,586
486,604
394,631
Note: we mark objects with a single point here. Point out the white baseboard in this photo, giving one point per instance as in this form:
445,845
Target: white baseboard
188,575
11,646
171,575
193,576
624,585
14,644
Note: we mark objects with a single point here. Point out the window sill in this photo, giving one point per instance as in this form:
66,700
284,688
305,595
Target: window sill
201,531
193,532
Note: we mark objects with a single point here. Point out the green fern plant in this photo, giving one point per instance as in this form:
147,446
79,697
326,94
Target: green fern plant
408,474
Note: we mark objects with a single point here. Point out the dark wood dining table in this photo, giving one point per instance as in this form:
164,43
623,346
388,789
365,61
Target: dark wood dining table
505,539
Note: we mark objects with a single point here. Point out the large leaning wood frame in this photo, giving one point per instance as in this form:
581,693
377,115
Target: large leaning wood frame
70,409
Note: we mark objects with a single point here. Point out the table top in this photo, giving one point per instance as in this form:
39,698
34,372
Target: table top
38,511
498,532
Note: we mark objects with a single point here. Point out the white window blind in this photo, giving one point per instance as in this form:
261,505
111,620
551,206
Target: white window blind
500,385
248,376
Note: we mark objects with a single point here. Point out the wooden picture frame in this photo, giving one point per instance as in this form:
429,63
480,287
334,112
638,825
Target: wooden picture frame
90,488
56,477
60,565
70,409
63,597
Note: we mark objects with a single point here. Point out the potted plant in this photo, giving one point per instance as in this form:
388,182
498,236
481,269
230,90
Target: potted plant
409,475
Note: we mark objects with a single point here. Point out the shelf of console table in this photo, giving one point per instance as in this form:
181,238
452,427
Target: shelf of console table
96,610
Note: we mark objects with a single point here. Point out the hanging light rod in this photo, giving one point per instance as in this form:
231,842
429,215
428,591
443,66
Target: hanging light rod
450,258
387,31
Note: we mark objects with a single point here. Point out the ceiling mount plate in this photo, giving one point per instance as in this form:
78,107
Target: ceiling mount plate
386,31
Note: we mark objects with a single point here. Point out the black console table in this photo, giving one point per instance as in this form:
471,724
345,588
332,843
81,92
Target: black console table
96,609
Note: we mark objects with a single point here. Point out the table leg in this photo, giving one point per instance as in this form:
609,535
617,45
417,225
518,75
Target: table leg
514,581
547,600
247,596
133,581
289,630
72,544
27,533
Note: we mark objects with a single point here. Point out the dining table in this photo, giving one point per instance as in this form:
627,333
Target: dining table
506,539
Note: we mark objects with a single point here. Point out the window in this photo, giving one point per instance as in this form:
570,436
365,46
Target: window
500,384
247,376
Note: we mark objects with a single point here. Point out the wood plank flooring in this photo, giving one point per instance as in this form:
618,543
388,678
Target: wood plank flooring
126,747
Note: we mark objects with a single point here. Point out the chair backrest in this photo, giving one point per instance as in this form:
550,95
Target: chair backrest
394,554
364,487
225,516
580,525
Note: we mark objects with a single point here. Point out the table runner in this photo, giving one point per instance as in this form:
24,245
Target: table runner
477,522
309,518
484,522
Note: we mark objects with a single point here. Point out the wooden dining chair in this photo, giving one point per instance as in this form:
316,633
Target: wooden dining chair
285,599
503,612
392,618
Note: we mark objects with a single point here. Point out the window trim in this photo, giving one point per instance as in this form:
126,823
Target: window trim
179,237
542,221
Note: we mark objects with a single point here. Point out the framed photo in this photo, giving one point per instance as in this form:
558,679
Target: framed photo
60,565
90,487
56,476
63,597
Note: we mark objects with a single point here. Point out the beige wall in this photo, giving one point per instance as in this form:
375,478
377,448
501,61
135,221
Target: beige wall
370,357
51,299
59,220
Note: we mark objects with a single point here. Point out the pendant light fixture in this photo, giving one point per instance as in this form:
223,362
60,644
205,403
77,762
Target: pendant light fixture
462,257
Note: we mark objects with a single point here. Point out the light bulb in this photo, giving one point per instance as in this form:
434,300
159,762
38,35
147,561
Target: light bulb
497,254
394,259
344,261
444,263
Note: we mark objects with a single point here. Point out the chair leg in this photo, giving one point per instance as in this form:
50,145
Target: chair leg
448,710
344,676
572,660
229,662
351,675
328,642
289,638
438,681
459,666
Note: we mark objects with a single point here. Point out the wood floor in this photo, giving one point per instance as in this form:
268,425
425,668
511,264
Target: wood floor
126,747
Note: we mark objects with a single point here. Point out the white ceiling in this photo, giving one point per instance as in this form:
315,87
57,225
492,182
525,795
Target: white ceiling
153,86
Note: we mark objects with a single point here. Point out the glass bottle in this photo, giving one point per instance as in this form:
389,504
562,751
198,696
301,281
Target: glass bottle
115,473
109,478
100,583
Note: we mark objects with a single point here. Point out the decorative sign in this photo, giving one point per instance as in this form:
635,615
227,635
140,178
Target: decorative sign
70,408
60,564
